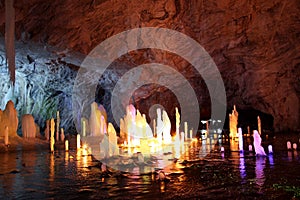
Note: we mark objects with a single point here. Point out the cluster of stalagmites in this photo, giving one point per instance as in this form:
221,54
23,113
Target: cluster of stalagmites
9,123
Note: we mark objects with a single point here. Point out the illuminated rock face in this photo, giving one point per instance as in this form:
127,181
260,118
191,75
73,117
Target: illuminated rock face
28,126
259,64
9,118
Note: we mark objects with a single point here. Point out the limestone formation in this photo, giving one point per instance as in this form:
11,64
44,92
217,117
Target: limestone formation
166,128
6,138
98,124
9,118
62,135
57,125
52,131
113,140
259,150
28,126
177,120
233,122
259,125
85,127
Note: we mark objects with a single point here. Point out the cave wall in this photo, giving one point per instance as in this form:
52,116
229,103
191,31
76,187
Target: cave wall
44,83
254,43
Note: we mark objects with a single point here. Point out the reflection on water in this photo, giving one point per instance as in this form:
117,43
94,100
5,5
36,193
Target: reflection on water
234,145
259,171
290,155
271,160
243,168
74,174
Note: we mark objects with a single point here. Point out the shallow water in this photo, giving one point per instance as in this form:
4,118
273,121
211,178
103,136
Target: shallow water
39,174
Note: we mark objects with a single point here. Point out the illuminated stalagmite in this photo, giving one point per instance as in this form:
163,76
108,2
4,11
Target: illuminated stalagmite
233,122
9,118
28,126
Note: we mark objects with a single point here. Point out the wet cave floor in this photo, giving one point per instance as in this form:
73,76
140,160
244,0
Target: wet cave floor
38,174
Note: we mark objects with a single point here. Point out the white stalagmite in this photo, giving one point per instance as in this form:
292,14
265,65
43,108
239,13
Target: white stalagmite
250,147
166,128
67,145
83,128
295,146
289,145
270,149
177,120
78,141
185,130
191,133
259,150
113,140
159,125
240,134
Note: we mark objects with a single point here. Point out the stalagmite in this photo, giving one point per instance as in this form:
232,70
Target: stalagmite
62,135
78,141
113,140
6,142
185,130
159,125
57,125
52,130
28,126
95,118
9,118
166,128
259,125
177,120
191,133
259,150
67,145
233,122
240,134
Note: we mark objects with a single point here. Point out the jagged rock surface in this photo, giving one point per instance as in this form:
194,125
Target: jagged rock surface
255,45
43,85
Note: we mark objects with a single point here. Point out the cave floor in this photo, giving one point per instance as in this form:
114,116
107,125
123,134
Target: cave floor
37,173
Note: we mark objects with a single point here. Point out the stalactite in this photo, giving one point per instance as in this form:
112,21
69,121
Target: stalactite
10,37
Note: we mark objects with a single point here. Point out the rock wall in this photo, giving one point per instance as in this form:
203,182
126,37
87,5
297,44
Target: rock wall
44,81
254,43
